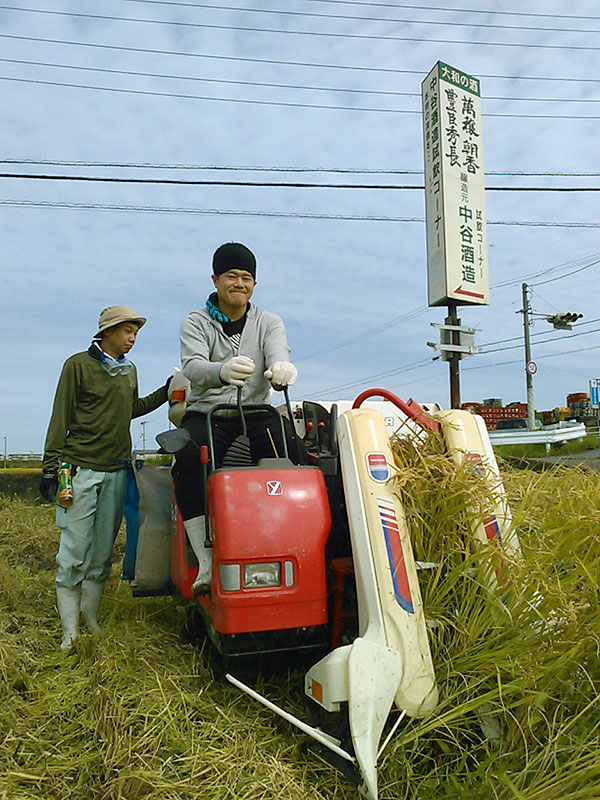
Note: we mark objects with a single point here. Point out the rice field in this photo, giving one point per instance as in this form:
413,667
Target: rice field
133,712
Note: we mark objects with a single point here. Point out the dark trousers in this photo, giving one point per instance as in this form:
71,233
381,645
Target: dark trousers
264,433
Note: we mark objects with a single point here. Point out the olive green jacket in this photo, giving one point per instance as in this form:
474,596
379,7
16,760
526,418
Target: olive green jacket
92,412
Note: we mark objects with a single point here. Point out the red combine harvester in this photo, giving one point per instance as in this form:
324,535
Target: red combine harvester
283,537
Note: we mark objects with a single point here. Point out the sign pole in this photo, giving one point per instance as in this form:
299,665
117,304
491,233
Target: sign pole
454,359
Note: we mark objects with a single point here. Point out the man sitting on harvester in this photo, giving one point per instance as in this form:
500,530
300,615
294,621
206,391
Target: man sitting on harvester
227,346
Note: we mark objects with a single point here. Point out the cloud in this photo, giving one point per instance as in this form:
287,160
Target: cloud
328,279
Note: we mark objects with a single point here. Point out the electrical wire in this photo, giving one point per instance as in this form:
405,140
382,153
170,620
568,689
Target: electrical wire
345,67
287,104
539,333
270,85
183,96
352,17
376,329
241,168
543,299
274,184
330,34
540,341
575,262
451,9
425,362
279,214
550,280
537,358
375,377
261,84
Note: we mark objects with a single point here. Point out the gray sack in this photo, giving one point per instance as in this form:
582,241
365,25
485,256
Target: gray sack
153,554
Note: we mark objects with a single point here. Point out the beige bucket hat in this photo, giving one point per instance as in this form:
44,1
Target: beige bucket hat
114,315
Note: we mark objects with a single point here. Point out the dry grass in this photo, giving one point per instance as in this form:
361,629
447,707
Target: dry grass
527,662
134,714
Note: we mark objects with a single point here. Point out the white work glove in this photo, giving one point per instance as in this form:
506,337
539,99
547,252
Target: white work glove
235,370
281,373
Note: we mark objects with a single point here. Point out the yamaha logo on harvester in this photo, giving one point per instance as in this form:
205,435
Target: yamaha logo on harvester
274,487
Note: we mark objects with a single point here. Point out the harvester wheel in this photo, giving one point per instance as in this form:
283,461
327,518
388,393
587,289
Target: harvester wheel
194,629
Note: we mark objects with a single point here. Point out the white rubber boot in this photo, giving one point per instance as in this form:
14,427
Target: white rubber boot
196,532
91,594
68,607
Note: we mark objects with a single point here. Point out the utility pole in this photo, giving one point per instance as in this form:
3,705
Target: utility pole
143,424
526,310
4,437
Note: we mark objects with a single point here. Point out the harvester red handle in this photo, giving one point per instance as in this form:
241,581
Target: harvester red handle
412,409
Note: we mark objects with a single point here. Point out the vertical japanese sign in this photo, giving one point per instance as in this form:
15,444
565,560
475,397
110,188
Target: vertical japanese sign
457,266
594,386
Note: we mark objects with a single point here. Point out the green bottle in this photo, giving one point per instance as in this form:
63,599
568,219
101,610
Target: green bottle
65,485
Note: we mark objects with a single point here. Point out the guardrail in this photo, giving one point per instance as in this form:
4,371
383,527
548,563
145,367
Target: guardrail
547,436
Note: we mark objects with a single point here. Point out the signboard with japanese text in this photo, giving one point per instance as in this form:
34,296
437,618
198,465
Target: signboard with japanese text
457,264
594,386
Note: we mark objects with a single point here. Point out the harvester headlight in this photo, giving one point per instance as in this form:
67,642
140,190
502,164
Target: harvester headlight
257,576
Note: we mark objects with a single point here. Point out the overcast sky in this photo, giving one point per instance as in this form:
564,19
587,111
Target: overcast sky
352,292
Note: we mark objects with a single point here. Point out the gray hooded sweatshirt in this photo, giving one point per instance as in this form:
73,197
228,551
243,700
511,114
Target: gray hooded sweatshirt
205,348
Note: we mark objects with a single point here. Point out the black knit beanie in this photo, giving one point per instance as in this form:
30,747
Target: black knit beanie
233,256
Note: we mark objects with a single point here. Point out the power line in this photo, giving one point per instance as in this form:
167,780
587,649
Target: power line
377,376
394,321
550,280
270,85
345,67
537,358
241,168
180,182
409,315
216,80
425,362
353,17
287,104
278,214
575,262
183,96
329,34
539,333
451,9
546,224
277,184
541,341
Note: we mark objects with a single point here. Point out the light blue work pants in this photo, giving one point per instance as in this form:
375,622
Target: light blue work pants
89,527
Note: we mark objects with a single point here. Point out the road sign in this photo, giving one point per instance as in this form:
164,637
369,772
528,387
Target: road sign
457,267
531,367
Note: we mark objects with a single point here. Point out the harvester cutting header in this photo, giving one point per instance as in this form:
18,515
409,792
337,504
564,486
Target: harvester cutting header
316,556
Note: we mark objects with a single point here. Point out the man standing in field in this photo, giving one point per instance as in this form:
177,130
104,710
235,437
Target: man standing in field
230,344
95,401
